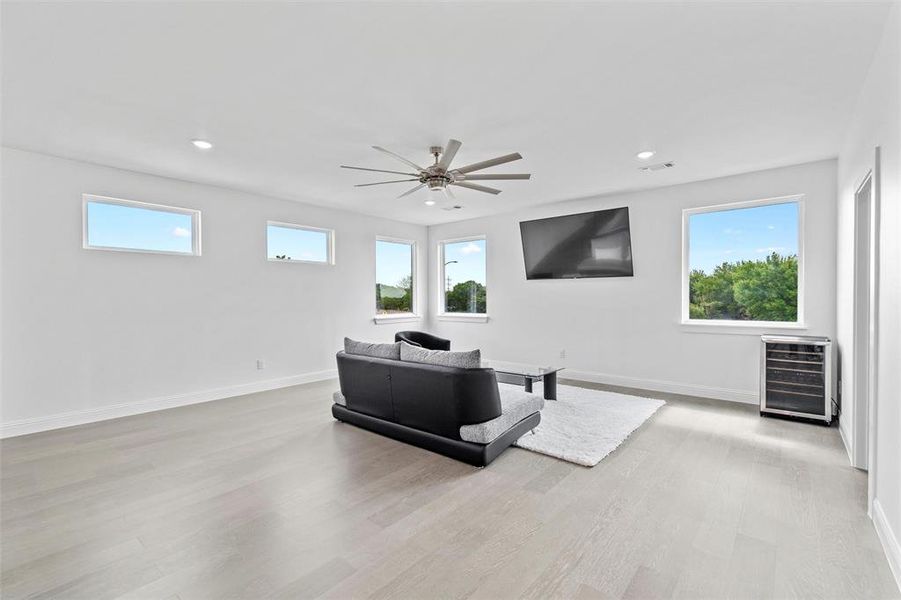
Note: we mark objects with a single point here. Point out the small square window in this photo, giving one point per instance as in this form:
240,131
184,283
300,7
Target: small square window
743,263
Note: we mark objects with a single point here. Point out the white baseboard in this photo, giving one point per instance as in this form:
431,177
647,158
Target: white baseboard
846,440
672,387
114,411
889,541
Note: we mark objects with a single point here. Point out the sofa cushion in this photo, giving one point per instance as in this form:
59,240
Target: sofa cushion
516,405
391,351
338,398
445,358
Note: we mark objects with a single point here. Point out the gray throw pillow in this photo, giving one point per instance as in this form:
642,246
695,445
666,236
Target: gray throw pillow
444,358
391,351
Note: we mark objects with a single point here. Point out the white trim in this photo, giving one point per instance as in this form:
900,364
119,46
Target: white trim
396,240
414,265
396,318
688,212
862,390
738,327
845,440
463,317
329,237
115,411
442,281
873,350
672,387
889,540
191,212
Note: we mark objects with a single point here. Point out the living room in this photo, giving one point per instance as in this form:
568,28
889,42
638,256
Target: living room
450,299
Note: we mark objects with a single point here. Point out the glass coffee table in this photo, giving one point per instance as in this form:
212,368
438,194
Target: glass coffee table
525,375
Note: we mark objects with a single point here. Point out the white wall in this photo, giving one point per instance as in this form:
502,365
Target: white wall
91,334
627,330
876,122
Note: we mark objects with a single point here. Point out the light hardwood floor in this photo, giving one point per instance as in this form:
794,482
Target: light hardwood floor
267,496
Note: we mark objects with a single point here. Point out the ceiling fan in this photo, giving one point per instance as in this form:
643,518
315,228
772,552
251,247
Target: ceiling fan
439,176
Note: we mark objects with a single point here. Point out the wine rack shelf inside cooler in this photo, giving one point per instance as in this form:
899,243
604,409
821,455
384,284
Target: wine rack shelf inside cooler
796,376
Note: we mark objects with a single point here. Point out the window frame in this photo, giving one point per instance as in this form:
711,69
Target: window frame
749,327
443,315
414,265
196,246
330,243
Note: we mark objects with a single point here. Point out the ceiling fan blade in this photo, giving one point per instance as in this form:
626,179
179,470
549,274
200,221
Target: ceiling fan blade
399,157
449,152
489,163
380,171
479,188
384,182
421,185
497,176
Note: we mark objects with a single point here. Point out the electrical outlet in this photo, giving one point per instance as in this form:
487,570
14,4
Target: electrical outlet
563,353
260,365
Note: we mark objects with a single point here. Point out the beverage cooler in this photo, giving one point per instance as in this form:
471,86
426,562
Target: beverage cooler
796,377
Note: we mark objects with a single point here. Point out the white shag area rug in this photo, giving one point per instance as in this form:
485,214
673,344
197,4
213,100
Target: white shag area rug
583,426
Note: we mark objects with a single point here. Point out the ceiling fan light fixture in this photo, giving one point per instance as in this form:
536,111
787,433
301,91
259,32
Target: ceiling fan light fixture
645,154
430,202
202,144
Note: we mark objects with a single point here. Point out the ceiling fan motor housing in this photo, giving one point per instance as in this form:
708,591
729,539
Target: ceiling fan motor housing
436,184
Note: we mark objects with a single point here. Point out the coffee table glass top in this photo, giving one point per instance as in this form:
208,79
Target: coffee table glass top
519,368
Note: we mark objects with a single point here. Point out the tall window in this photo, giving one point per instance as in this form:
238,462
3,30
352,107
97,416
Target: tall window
463,275
743,263
394,268
296,243
125,225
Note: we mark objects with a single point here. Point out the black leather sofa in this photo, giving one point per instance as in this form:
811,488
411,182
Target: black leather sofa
424,405
423,340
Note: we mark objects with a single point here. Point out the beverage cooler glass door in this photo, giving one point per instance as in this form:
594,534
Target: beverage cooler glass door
796,379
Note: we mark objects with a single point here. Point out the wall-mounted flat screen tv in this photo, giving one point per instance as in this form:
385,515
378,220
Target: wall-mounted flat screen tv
592,244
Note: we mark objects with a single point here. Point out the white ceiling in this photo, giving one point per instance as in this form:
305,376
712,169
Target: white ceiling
287,92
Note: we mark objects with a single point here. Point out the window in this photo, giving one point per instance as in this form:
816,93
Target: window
394,267
463,277
124,225
743,264
295,243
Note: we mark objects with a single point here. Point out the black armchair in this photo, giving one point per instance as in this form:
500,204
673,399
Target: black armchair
422,339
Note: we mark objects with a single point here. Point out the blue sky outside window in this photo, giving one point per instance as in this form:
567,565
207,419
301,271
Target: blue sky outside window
470,261
293,243
132,227
393,262
742,234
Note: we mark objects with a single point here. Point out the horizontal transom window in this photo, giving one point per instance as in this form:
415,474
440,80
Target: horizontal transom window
126,225
286,242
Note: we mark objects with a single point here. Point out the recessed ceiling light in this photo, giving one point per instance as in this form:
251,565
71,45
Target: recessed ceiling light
202,144
645,154
429,202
